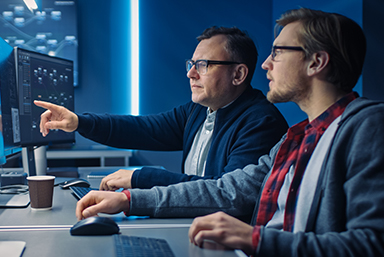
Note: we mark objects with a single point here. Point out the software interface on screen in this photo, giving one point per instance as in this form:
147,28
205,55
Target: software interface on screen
45,78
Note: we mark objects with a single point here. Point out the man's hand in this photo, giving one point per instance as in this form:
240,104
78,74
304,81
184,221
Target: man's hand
116,180
101,202
222,229
56,117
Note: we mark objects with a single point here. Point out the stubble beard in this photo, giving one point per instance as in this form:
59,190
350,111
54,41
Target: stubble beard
292,94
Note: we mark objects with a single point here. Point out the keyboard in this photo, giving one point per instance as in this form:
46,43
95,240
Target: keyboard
80,192
131,246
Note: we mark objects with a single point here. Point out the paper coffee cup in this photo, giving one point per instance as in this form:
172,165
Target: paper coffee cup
41,192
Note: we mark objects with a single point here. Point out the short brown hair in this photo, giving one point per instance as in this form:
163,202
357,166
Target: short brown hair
342,38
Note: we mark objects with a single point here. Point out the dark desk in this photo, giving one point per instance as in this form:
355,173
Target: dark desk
47,232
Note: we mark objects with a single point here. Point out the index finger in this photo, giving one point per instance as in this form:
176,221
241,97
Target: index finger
83,203
45,105
45,116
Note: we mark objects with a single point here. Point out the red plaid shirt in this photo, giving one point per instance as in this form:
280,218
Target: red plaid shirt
296,150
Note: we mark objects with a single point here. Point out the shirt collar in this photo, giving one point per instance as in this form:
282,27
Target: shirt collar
326,118
322,122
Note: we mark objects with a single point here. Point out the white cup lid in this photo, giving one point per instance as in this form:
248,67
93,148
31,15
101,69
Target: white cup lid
41,177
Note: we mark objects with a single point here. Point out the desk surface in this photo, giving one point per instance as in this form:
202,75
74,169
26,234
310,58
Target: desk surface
61,243
47,232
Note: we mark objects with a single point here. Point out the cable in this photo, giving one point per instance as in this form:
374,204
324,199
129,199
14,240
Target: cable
14,189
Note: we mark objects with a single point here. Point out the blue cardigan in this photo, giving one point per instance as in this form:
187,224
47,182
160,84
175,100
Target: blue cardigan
245,130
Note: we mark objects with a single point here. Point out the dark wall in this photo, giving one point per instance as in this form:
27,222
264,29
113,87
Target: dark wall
168,37
93,94
373,20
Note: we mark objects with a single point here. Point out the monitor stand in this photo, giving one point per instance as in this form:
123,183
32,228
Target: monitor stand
34,160
30,167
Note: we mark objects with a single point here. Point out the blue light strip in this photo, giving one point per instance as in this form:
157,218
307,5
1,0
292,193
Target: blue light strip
135,57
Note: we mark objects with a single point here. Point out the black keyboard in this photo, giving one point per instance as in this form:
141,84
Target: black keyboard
131,246
80,192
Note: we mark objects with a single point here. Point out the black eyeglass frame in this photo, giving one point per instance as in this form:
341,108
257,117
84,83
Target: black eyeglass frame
292,48
209,62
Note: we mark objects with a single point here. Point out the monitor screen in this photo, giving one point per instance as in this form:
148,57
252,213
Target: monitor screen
9,111
46,78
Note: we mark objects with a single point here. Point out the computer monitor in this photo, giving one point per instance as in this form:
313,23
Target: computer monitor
46,78
10,140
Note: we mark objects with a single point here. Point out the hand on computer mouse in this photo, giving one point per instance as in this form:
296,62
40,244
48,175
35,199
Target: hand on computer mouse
95,226
101,202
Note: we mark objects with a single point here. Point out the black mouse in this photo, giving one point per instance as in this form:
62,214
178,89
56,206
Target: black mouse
78,182
95,226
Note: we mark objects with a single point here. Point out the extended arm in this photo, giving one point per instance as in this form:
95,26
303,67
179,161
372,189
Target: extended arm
162,132
233,193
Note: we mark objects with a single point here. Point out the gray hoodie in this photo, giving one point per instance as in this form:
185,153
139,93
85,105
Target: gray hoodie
346,217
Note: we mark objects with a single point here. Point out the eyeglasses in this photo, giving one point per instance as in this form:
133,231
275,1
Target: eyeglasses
292,48
202,65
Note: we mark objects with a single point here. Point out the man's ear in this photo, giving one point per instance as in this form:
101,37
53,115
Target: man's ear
240,74
318,62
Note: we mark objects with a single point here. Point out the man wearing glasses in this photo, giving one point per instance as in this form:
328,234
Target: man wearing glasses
323,193
227,125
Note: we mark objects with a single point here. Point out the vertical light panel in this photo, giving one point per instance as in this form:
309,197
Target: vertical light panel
135,57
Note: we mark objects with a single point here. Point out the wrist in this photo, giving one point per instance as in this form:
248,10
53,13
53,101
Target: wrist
127,207
76,123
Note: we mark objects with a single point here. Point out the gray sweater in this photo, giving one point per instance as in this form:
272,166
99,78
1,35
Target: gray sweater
347,214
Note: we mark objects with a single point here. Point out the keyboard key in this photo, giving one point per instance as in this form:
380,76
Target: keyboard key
80,192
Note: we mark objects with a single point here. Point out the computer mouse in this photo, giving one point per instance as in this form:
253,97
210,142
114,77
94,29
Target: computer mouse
95,226
78,182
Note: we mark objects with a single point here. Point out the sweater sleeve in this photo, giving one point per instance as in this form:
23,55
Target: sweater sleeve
148,177
234,193
159,132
